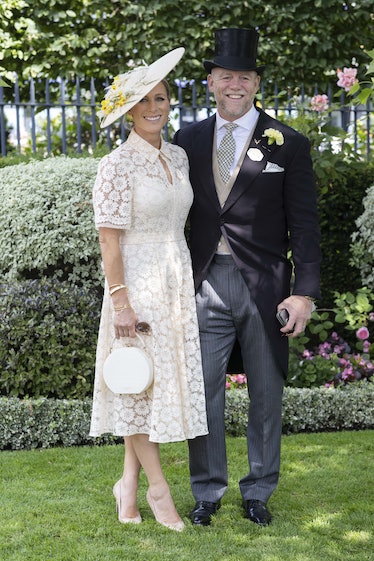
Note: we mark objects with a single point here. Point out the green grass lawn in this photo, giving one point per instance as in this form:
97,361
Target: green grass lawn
56,505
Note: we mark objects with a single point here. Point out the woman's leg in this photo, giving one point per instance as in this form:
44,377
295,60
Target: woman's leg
129,481
158,496
125,490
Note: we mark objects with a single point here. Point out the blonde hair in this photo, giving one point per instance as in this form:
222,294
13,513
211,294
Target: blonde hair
167,87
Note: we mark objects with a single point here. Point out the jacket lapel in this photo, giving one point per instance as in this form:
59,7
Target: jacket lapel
203,150
254,162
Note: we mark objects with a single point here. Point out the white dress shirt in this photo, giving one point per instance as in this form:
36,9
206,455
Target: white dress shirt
245,126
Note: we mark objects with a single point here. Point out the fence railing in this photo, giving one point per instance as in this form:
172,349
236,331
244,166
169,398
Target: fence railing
59,116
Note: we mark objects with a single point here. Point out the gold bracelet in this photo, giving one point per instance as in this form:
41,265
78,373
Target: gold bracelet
116,288
121,308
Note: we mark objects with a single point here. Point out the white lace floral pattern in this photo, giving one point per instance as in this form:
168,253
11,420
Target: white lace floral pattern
132,193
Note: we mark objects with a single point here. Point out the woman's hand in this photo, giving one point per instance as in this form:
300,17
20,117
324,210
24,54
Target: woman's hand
124,323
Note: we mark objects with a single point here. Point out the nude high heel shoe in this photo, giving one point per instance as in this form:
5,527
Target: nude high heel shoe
177,526
117,494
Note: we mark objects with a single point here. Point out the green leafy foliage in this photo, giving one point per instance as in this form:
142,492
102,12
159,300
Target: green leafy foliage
21,429
339,207
310,410
48,333
332,350
46,221
326,409
45,423
342,178
321,325
363,241
354,310
331,150
41,38
363,91
335,349
312,373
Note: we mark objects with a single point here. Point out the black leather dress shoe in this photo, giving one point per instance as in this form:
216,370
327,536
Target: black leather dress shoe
203,512
257,512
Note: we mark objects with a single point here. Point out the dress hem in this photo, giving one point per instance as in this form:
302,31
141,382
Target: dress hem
177,439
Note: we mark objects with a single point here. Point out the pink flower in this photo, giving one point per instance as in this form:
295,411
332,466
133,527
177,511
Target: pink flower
319,102
241,379
362,333
235,381
347,78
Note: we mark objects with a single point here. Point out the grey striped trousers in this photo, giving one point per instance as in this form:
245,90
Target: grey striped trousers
226,311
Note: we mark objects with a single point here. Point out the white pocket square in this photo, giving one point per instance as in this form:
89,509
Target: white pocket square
272,168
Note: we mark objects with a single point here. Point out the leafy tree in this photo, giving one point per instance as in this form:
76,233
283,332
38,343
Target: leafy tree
300,40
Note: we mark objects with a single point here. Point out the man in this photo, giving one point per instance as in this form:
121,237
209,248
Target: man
247,214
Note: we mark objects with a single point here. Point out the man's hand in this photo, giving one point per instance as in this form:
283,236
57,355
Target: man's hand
299,309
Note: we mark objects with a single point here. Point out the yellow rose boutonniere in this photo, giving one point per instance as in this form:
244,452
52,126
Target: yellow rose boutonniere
274,136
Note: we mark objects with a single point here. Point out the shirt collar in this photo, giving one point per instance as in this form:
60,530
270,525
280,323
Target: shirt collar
247,121
147,150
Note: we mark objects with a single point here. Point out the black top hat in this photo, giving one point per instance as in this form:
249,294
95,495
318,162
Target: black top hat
235,49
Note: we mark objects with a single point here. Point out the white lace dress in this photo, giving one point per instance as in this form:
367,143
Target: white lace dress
132,193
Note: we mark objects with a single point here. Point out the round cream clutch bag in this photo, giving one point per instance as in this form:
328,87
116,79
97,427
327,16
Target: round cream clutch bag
128,369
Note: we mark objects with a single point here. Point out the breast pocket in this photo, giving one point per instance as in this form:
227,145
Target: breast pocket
272,167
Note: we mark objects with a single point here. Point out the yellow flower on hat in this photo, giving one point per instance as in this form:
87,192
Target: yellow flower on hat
106,106
274,136
120,91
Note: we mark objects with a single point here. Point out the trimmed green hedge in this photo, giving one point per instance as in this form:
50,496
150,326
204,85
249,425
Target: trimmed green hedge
54,235
43,423
47,221
48,335
321,409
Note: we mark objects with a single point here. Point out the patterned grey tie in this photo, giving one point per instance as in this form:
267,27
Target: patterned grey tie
226,152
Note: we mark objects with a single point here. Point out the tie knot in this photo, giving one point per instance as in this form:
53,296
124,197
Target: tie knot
230,126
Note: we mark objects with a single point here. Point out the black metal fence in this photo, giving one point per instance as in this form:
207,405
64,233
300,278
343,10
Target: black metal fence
58,116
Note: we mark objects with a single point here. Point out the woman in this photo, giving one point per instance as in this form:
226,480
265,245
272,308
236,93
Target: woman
142,196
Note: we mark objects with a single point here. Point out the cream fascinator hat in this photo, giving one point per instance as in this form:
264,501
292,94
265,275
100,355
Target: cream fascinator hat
129,88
